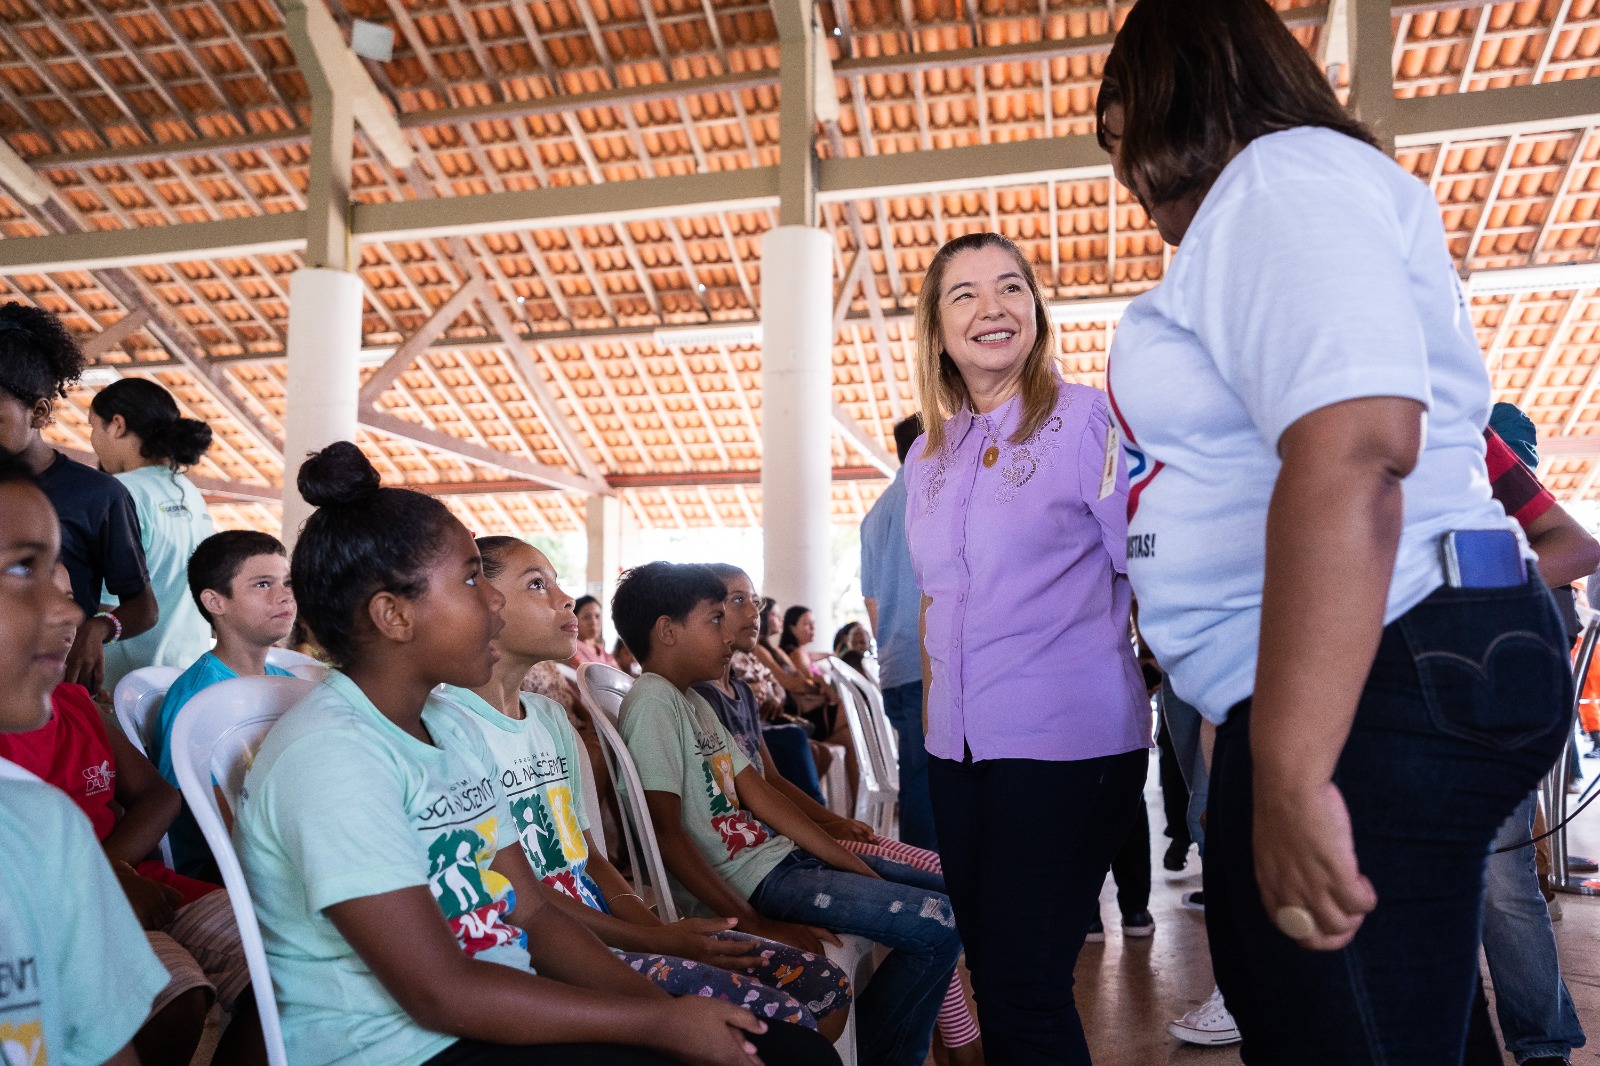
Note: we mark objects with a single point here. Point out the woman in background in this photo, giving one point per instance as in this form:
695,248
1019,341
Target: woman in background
141,439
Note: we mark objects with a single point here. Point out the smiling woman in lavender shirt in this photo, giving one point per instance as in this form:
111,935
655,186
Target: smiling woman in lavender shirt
1038,727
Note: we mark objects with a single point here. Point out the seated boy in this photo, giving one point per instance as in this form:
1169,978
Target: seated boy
240,580
82,976
740,848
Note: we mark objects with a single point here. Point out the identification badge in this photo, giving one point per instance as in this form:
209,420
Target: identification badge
1108,473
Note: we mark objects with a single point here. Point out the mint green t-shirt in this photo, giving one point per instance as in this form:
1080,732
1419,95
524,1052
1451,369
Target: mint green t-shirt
680,747
341,803
537,762
77,976
173,520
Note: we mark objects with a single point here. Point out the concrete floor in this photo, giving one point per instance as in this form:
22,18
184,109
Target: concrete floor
1129,989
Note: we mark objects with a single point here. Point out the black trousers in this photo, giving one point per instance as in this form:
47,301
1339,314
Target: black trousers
1026,845
781,1045
1131,865
1174,789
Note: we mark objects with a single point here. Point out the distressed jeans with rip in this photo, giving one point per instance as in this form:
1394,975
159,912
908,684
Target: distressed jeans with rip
906,911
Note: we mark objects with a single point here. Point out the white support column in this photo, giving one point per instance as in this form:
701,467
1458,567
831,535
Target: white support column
796,418
604,517
324,376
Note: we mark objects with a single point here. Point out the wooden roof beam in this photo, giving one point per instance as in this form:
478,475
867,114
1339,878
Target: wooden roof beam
1521,110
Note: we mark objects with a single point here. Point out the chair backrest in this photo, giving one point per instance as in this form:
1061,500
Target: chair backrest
297,663
137,700
602,687
877,718
214,741
878,798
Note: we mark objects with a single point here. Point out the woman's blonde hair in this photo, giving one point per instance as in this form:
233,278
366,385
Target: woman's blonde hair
940,390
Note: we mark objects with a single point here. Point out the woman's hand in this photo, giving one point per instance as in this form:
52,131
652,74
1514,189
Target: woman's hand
707,1032
1306,857
696,938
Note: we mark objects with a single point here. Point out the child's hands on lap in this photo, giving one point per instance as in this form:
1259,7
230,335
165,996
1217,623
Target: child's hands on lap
849,829
696,938
154,904
708,1032
805,937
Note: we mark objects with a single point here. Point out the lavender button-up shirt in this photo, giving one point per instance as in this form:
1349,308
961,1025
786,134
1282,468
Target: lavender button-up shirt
1025,561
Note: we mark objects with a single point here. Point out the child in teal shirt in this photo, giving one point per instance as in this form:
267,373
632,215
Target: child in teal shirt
239,581
81,974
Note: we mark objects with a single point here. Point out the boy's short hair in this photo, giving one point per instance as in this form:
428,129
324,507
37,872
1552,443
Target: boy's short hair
216,562
648,592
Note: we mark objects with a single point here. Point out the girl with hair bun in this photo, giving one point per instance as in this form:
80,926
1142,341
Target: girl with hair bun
402,919
141,439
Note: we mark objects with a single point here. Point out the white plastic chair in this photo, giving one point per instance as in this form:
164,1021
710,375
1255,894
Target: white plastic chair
602,687
297,663
877,801
880,730
214,740
137,701
836,782
601,697
568,674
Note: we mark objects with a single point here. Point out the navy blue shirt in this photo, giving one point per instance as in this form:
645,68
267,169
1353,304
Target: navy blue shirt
100,543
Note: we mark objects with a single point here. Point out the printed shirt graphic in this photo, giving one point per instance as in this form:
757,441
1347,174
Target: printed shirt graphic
680,747
536,763
1316,272
341,803
77,976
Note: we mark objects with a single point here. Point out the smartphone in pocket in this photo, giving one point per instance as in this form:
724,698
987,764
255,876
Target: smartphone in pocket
1483,559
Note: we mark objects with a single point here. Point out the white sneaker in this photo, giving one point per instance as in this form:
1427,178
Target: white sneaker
1209,1024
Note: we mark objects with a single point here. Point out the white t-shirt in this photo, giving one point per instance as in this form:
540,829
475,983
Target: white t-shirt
1315,272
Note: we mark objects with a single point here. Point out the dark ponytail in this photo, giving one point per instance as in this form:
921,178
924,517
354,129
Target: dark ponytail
363,539
151,414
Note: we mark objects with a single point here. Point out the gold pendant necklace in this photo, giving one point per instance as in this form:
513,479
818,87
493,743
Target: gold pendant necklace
991,454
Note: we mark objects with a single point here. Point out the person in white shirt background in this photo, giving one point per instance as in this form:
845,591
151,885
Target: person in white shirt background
140,438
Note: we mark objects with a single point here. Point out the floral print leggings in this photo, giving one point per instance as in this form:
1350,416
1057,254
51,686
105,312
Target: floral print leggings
785,984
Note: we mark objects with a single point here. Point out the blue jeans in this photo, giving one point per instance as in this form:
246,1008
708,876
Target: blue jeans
907,912
790,746
902,704
1183,726
1536,1012
1464,709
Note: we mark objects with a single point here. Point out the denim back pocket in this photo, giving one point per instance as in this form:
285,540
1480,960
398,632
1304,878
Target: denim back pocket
1492,663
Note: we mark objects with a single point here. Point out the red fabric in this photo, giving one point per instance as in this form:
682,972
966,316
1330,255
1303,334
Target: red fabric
72,752
1513,484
